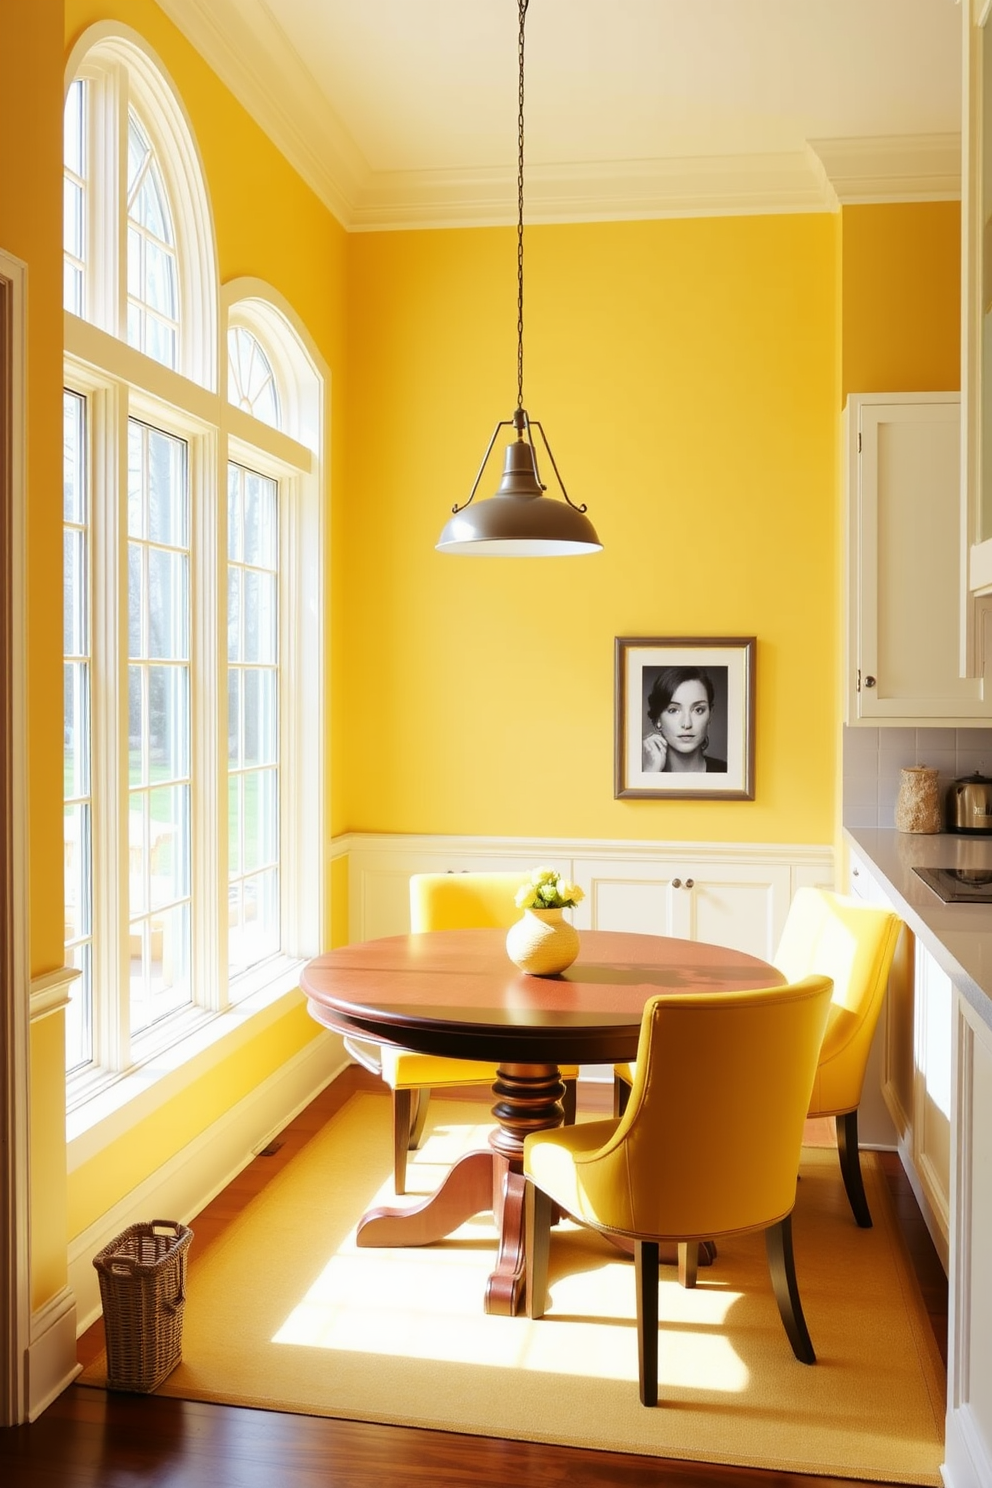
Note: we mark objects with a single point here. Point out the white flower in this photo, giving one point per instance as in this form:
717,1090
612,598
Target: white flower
548,890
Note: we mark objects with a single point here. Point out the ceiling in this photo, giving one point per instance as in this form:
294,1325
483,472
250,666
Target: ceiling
403,113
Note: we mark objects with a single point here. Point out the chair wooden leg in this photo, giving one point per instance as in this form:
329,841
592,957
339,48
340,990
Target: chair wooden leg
850,1166
570,1100
782,1266
403,1116
688,1262
646,1279
621,1095
538,1215
409,1116
419,1119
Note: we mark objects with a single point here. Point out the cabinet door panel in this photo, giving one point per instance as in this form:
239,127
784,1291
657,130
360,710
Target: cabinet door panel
932,1119
899,1061
738,909
638,898
742,905
905,580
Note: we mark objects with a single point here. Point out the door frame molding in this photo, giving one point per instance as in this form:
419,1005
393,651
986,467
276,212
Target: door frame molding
15,1298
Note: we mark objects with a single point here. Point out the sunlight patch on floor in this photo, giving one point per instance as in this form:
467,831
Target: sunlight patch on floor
427,1302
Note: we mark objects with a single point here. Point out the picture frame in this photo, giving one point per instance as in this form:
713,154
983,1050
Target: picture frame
710,733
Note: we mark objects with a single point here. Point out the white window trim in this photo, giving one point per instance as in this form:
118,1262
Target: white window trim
112,401
122,68
120,381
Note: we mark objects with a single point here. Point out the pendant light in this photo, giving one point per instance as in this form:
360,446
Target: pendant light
519,521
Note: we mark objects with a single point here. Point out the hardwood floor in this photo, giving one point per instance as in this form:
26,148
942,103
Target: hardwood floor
98,1439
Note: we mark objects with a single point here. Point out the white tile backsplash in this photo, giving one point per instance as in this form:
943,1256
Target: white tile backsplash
874,757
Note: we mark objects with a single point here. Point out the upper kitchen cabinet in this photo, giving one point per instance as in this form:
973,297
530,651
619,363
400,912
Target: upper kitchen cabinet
976,289
902,608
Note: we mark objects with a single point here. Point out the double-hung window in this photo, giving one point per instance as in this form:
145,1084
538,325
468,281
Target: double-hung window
192,598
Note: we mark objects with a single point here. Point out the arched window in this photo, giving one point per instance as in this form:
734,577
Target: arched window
140,259
193,843
152,270
251,382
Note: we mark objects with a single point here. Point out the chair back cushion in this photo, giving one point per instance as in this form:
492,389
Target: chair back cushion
711,1137
852,943
464,901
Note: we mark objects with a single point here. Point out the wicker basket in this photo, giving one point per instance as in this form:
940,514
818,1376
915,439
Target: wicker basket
143,1289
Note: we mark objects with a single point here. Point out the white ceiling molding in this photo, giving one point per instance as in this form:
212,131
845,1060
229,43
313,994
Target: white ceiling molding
249,52
893,169
612,191
248,49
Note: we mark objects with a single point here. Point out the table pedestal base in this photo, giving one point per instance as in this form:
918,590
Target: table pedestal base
528,1098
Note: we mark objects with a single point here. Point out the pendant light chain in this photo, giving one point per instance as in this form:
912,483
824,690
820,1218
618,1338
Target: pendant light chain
520,207
519,521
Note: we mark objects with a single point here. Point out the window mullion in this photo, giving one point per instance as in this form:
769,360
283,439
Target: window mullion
107,93
292,623
110,821
118,174
209,714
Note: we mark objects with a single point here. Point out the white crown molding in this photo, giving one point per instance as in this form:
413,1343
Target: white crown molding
890,168
246,47
617,190
249,52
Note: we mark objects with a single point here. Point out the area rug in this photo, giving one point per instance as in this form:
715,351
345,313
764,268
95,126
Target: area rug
284,1312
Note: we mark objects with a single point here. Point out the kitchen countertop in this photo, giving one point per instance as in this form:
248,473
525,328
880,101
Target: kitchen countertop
958,936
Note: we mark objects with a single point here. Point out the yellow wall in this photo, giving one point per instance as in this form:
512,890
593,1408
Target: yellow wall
97,1185
687,375
31,230
902,298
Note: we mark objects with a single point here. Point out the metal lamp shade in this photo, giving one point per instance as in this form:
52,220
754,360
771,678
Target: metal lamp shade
519,521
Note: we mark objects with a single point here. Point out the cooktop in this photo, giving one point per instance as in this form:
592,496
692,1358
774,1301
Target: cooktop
959,885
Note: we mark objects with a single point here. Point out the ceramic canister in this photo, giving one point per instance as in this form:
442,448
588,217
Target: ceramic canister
918,802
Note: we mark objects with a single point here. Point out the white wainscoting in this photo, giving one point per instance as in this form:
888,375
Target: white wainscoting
735,894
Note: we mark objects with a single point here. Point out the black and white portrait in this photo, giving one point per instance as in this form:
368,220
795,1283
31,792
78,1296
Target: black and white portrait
685,717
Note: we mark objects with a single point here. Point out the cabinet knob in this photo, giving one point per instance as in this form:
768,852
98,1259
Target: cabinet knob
688,883
869,681
676,883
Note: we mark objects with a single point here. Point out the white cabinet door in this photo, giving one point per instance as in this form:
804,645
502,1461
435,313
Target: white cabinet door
904,562
932,1106
736,903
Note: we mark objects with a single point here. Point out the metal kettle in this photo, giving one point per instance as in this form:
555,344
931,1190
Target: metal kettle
969,805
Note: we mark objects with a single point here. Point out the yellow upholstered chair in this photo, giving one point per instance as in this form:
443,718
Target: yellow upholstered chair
682,1161
444,901
852,943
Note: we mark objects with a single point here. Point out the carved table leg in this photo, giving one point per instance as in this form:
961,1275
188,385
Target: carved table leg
528,1098
467,1188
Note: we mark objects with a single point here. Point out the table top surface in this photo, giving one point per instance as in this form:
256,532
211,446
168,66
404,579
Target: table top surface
456,992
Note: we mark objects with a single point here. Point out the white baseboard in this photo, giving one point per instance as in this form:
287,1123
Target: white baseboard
967,1460
52,1352
190,1179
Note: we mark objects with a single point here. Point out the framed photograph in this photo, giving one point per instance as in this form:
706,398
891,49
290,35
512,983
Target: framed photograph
685,717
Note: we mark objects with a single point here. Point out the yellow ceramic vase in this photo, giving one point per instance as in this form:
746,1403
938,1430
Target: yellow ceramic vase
543,943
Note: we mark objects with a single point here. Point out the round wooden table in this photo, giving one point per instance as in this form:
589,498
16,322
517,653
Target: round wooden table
456,993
